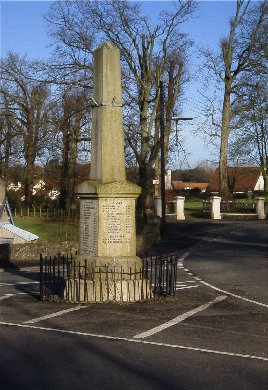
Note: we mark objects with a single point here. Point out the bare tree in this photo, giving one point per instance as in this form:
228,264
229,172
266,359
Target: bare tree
149,53
7,137
239,55
28,103
71,127
251,109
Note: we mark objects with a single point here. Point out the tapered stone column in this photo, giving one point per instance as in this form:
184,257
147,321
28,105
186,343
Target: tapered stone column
107,200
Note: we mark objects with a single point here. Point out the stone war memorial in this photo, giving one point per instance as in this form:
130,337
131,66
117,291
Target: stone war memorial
107,201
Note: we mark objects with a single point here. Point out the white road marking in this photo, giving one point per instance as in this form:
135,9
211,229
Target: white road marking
58,313
178,319
183,288
219,289
10,295
6,296
131,340
17,283
183,257
231,294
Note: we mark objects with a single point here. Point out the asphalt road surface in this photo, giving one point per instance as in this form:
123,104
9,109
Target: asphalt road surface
213,335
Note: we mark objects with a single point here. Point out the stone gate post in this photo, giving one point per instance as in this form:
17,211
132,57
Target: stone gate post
215,207
179,202
158,206
260,207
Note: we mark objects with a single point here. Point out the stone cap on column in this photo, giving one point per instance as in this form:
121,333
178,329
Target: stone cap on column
113,189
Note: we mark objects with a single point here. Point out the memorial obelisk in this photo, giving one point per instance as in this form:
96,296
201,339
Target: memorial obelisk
107,200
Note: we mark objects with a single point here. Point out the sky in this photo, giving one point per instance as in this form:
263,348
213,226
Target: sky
23,32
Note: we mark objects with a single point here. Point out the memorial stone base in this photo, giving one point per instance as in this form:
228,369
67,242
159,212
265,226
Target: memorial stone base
107,247
107,291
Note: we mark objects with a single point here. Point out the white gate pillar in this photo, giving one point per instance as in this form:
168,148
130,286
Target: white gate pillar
215,207
260,207
179,206
158,206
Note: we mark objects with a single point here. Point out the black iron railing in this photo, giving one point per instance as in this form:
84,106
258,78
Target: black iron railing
238,206
64,278
232,206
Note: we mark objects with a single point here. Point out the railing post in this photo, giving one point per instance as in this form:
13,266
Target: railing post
215,207
260,207
179,206
41,277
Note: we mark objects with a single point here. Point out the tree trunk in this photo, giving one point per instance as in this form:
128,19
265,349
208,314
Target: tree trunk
72,166
29,181
224,188
144,184
64,169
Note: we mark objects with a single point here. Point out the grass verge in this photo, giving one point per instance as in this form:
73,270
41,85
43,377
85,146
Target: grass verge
48,230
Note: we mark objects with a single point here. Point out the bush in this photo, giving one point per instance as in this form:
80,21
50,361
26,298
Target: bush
44,202
14,199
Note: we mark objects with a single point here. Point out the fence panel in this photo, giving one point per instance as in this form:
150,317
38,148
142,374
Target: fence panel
238,206
54,214
232,206
63,278
207,206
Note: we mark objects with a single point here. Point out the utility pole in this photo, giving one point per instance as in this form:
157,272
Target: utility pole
162,148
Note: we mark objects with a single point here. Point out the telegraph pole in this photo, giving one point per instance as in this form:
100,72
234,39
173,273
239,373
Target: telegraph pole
162,156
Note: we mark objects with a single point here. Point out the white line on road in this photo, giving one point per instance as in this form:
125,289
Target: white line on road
219,289
239,355
178,319
6,296
58,313
184,287
231,294
10,295
17,283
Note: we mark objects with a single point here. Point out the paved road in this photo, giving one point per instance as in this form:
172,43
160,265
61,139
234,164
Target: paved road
214,335
235,260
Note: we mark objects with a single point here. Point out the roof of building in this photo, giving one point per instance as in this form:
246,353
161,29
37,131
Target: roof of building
240,178
183,185
18,231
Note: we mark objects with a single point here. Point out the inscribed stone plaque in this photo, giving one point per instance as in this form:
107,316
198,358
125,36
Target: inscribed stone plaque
89,227
117,227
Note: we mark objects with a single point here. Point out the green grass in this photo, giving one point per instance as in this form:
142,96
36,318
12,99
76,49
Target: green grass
194,208
47,230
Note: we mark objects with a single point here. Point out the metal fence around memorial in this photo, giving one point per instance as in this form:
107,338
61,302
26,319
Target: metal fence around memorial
64,278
